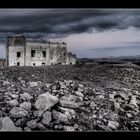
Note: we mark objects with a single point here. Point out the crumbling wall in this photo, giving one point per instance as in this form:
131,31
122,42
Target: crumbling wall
38,59
58,53
15,44
16,41
13,59
2,62
71,59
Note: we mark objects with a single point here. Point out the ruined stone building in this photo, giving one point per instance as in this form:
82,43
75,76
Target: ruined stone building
24,52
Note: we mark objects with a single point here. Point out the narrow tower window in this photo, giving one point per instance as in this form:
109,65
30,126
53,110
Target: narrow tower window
44,53
18,54
32,53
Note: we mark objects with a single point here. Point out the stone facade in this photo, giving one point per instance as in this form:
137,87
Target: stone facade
24,52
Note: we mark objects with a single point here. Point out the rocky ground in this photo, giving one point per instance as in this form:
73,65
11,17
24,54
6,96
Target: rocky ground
70,98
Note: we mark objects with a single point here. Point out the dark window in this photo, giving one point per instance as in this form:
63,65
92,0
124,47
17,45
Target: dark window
51,63
33,64
43,64
70,63
18,63
44,53
64,54
18,54
32,53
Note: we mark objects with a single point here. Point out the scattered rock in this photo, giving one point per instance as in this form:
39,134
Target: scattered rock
68,112
69,128
13,103
78,93
38,113
113,125
46,101
18,112
134,101
33,84
59,116
41,126
27,129
6,124
46,118
25,96
5,83
26,105
68,104
31,124
21,122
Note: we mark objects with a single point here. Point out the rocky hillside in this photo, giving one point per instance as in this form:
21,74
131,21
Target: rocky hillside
70,98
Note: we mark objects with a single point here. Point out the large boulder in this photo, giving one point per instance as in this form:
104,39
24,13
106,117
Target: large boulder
47,117
69,104
6,124
18,112
46,101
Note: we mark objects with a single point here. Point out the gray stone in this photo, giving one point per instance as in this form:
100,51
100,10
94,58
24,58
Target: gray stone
68,104
20,122
38,113
26,105
6,124
113,124
32,124
101,96
103,127
25,96
117,106
129,115
47,117
59,116
5,83
134,101
41,126
68,112
69,128
92,105
13,103
46,101
27,129
14,96
33,84
18,112
78,93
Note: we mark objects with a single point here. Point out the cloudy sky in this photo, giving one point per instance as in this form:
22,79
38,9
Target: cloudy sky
89,33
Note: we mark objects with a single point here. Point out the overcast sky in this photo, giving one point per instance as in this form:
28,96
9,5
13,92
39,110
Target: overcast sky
88,32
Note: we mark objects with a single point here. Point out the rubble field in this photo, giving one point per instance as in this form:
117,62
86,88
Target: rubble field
94,97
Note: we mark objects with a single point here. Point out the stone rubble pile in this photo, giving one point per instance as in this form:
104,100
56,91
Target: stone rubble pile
108,102
53,110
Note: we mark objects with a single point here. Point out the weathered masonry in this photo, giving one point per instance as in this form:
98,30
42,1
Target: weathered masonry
23,52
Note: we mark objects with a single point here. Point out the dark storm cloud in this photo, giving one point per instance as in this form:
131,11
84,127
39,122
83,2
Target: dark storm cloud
63,22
